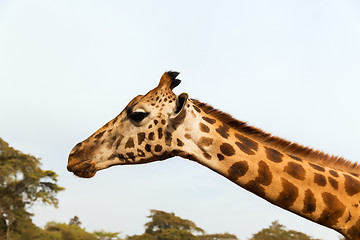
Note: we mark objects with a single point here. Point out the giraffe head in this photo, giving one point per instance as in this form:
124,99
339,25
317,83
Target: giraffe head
141,133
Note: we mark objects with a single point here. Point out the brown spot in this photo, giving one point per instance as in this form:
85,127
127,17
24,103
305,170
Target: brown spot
130,143
352,185
209,120
114,120
158,148
254,187
206,155
163,121
151,136
111,142
118,141
319,180
288,195
333,173
204,128
309,202
317,167
160,133
238,170
141,153
148,147
273,155
295,158
220,156
333,183
168,138
179,143
246,145
227,149
333,211
187,136
99,135
193,114
156,122
223,131
264,177
197,109
354,231
141,137
349,218
295,170
131,155
150,126
205,141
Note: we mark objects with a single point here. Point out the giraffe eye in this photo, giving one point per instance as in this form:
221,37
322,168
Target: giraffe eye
138,116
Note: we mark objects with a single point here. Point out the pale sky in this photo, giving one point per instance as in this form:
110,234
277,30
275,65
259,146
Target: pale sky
67,67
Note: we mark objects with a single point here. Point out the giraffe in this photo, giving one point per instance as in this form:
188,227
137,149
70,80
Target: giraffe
160,125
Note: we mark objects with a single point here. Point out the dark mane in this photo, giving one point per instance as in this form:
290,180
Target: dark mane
280,144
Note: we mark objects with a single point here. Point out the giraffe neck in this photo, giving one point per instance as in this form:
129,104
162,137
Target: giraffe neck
321,194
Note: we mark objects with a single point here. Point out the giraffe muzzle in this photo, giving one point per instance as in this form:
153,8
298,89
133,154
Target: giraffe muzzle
79,164
84,169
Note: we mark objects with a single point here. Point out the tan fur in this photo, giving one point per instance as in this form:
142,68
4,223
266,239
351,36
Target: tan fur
280,144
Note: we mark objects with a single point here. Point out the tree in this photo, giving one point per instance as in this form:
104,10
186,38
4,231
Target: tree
161,221
75,221
22,183
102,235
218,236
167,226
69,232
277,231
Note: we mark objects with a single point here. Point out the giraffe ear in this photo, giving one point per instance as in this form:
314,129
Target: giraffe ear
180,108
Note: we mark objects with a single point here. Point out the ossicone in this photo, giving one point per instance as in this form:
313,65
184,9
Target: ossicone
168,79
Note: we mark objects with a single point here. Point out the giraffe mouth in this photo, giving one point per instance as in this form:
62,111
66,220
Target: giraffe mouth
84,169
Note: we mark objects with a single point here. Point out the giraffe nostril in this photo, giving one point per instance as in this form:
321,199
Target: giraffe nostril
76,148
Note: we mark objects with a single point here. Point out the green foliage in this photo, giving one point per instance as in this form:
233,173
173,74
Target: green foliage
145,236
22,182
69,232
161,221
175,234
24,230
75,221
167,226
102,235
218,236
276,231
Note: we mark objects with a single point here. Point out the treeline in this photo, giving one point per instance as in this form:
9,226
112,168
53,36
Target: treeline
23,182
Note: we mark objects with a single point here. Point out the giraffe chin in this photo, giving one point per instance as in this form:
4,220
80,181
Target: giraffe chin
82,169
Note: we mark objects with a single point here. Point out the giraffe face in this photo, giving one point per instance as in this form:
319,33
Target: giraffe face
141,133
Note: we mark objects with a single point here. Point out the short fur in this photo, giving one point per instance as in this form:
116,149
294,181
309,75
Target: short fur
280,144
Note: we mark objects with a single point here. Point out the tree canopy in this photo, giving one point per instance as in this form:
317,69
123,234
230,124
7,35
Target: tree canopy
168,226
161,221
22,183
277,231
